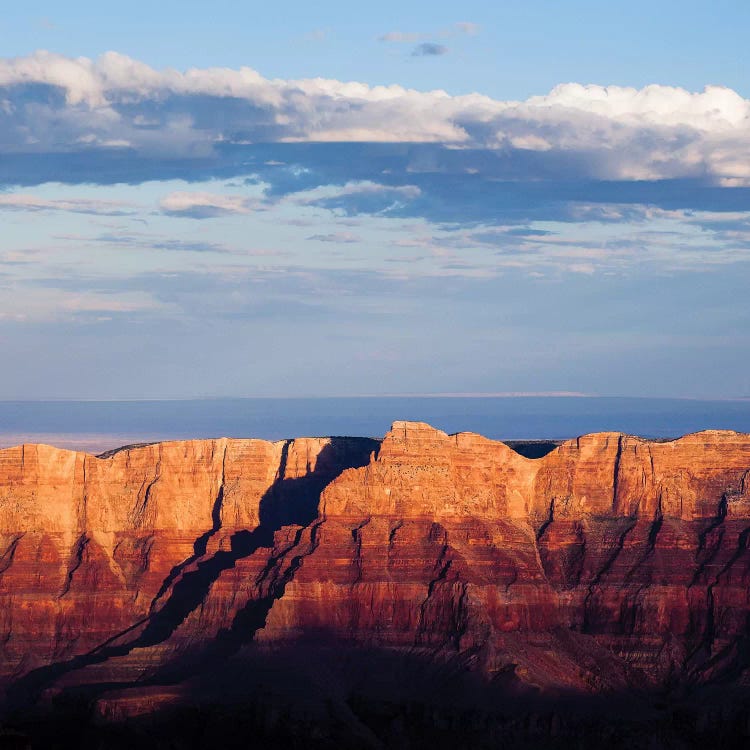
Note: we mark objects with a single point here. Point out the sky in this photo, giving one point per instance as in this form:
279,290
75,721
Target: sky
328,199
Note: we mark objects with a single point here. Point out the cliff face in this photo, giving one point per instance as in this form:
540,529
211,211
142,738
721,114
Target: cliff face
93,546
631,548
608,564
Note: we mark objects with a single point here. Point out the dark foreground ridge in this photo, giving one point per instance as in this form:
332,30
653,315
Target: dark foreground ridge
323,695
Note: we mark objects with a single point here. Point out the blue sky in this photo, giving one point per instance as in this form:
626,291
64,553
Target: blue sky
334,200
521,48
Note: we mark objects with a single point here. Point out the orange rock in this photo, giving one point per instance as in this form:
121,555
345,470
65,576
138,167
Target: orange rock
608,548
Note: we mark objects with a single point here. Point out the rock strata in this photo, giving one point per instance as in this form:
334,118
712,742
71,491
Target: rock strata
609,565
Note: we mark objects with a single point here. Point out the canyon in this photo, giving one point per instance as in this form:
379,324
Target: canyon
423,590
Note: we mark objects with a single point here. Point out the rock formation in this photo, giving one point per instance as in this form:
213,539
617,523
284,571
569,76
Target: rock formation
610,566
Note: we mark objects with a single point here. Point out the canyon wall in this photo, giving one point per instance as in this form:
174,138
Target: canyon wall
612,563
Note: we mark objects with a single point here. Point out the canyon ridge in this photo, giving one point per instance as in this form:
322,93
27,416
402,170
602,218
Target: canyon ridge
423,590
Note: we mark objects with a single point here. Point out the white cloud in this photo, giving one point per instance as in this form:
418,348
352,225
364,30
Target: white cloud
205,205
530,143
615,132
356,189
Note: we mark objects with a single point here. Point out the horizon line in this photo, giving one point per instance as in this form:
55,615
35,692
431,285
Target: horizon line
442,394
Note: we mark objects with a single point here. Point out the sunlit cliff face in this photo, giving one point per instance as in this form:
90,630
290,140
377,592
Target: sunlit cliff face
450,543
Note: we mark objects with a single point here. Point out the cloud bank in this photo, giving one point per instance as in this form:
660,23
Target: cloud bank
116,106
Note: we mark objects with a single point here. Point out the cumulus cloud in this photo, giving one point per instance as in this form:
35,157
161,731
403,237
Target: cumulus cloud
76,117
429,49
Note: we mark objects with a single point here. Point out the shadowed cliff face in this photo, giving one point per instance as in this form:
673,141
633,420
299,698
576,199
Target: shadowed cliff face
607,566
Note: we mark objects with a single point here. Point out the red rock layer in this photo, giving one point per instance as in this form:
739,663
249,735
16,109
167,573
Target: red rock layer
608,561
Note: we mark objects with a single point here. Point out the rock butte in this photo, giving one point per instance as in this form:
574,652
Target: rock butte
611,564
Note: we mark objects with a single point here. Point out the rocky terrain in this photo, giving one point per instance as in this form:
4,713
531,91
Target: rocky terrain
425,590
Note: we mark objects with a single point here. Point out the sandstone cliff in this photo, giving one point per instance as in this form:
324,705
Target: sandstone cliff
610,564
